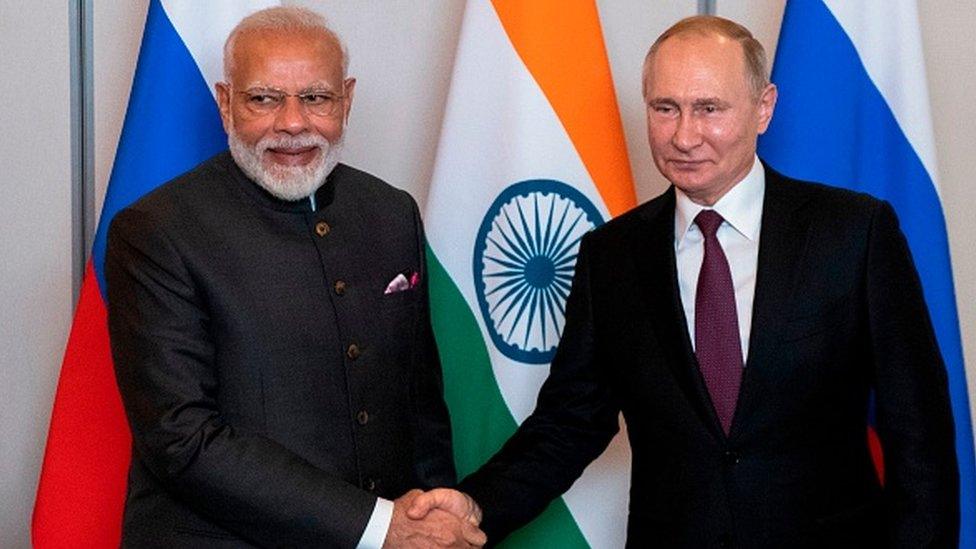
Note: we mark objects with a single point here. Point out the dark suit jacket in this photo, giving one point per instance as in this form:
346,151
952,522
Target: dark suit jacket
838,312
272,389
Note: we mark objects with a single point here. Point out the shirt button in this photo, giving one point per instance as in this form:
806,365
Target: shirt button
362,417
353,352
322,228
339,287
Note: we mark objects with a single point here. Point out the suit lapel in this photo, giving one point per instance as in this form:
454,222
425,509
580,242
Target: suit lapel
782,241
656,267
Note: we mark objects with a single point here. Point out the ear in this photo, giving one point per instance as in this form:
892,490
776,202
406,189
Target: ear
767,104
223,104
349,89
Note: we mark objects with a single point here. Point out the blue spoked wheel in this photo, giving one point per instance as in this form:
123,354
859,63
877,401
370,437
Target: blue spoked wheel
524,258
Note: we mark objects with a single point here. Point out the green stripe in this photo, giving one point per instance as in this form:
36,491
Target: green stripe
480,420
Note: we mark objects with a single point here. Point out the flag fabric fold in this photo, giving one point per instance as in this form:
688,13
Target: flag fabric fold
531,157
171,125
853,112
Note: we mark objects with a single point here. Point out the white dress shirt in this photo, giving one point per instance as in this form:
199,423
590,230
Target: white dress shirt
741,207
378,525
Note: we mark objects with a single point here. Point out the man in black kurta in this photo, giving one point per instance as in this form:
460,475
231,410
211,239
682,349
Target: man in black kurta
274,351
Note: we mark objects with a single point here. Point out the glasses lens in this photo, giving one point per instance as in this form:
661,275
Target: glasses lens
320,103
263,101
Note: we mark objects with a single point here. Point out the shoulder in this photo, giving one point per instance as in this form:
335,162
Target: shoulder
654,215
364,187
832,212
820,198
835,217
378,207
184,194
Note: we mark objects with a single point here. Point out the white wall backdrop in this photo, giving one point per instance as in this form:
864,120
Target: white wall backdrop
35,243
402,54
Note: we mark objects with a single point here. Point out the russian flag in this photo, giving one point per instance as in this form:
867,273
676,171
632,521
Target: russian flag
853,112
171,125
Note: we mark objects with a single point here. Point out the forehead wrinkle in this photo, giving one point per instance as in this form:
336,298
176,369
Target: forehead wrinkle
283,55
318,85
661,100
709,101
695,81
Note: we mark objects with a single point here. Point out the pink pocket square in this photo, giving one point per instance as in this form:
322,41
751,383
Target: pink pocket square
401,283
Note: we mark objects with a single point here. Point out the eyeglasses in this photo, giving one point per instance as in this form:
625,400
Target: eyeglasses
264,101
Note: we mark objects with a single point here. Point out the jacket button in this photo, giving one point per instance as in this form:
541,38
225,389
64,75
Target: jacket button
725,541
339,287
370,484
362,417
322,228
353,352
731,457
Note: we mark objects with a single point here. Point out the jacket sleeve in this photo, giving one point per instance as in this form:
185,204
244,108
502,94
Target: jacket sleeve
164,363
914,417
433,458
575,417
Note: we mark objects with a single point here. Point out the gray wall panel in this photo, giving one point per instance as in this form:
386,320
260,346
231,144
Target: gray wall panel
35,244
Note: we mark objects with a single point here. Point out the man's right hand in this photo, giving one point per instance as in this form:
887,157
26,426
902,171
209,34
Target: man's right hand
435,528
454,502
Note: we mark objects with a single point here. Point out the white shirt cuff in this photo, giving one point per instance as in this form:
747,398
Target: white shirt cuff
379,523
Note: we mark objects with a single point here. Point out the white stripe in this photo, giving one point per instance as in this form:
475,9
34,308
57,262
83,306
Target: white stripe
499,129
204,26
888,39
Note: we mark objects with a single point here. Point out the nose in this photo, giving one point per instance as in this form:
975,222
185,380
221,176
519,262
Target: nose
291,117
686,135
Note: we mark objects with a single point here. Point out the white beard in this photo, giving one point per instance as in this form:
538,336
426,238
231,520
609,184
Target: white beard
289,183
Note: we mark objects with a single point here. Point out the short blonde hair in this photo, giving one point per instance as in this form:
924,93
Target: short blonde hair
755,55
283,19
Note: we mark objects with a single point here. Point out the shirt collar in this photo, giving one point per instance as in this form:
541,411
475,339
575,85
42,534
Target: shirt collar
741,206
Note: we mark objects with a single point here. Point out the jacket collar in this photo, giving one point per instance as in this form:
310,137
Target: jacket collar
783,239
323,195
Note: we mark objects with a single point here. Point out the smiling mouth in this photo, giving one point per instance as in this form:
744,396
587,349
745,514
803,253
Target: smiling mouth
292,156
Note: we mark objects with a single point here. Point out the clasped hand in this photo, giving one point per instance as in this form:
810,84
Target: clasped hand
439,518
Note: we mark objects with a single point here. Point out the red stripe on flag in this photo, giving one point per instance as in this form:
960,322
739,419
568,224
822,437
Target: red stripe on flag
83,478
877,456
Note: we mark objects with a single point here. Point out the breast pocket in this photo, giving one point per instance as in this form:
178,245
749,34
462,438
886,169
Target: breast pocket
400,298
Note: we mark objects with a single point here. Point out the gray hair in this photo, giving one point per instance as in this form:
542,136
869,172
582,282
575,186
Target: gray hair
755,55
283,19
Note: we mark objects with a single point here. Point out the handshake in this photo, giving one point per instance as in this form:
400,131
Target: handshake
441,517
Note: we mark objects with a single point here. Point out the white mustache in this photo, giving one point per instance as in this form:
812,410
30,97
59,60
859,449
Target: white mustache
292,142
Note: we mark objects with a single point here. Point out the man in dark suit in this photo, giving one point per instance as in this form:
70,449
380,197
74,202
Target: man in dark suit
741,321
270,330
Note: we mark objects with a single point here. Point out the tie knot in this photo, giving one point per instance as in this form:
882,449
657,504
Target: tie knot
708,221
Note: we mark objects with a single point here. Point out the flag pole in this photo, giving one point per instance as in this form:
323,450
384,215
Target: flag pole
82,142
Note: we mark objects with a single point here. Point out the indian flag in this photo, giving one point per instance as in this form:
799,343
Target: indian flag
531,157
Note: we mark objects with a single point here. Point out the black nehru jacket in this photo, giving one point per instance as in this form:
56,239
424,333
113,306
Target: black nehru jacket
273,389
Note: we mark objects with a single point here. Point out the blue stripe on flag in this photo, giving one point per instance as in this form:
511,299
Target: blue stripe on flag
171,125
833,125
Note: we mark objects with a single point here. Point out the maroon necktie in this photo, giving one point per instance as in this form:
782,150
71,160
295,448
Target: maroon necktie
717,344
